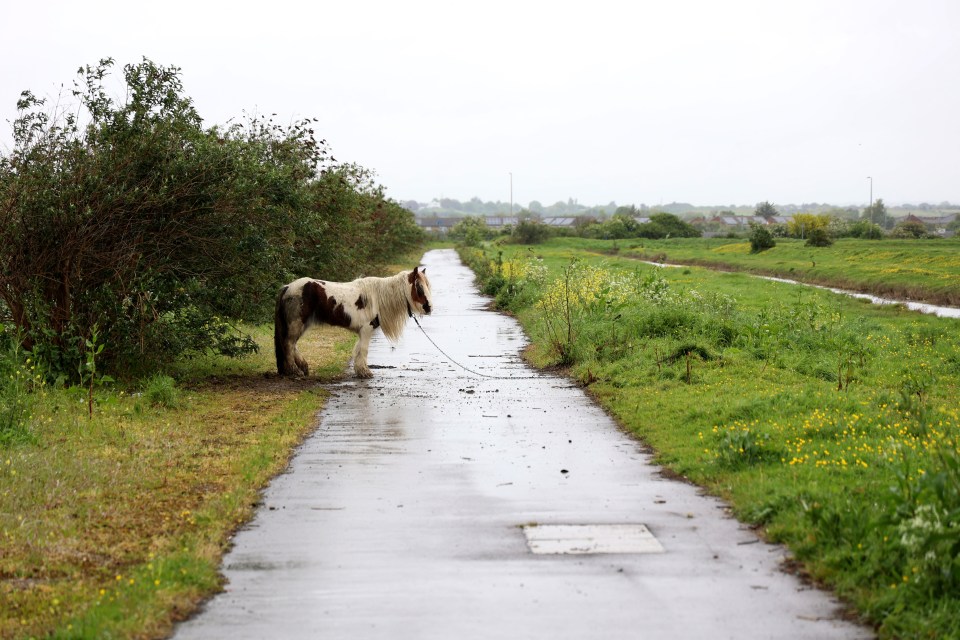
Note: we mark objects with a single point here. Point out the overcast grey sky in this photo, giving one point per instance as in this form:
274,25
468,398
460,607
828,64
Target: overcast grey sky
713,103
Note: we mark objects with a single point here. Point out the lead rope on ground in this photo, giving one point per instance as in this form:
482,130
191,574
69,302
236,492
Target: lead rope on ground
468,369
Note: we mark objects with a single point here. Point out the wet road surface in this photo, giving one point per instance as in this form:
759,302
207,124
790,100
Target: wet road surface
404,515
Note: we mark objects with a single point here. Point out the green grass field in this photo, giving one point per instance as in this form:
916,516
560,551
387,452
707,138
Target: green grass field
830,423
923,270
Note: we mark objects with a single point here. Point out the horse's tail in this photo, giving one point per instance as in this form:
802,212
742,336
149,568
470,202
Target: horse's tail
280,332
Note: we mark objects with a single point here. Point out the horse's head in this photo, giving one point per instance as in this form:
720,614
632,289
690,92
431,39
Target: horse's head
420,298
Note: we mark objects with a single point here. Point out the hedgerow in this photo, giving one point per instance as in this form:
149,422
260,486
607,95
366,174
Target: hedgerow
132,216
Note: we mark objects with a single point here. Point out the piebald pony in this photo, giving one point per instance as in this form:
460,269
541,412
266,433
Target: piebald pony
361,306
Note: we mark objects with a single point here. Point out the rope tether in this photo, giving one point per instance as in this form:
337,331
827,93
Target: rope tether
467,369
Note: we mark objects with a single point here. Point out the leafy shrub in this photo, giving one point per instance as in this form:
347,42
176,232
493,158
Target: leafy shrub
623,225
760,238
471,231
866,230
802,225
910,229
819,237
530,232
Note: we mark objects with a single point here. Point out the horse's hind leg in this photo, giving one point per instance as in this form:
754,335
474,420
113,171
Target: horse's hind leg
360,367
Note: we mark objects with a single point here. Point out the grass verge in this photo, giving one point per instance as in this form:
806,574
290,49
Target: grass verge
828,423
921,270
114,526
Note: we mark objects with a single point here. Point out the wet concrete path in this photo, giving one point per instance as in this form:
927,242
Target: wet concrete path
401,517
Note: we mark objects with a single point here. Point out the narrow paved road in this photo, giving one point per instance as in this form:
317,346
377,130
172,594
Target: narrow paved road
403,515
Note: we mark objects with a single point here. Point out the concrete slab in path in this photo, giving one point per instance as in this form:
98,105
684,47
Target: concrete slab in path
407,514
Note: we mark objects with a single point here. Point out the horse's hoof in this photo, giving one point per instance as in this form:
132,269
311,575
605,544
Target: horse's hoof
364,373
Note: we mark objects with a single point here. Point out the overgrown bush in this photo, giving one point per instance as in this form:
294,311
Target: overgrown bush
621,226
530,231
802,225
866,230
819,237
910,229
760,238
134,217
471,231
673,227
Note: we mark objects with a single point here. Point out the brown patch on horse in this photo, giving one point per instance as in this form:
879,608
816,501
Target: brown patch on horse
361,303
317,306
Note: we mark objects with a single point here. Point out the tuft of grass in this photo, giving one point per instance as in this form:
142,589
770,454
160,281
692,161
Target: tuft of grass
161,391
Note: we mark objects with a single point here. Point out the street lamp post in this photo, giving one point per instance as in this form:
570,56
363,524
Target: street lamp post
511,194
871,192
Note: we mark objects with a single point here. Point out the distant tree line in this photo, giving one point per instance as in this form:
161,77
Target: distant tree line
816,229
529,229
571,207
132,222
477,207
820,230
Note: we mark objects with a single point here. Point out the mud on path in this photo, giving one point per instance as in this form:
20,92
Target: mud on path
433,503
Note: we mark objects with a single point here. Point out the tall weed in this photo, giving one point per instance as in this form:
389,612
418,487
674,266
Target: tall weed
20,380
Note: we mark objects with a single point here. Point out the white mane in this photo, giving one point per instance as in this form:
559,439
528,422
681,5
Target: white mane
393,301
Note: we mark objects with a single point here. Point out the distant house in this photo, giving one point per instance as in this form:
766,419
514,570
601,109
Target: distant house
935,224
498,222
437,225
559,222
940,224
742,222
734,222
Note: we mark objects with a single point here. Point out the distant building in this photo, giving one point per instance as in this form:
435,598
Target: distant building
559,222
436,224
499,222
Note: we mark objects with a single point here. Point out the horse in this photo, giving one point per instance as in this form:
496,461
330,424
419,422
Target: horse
362,306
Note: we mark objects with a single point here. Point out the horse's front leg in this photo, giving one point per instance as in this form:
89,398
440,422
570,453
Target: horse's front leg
360,367
295,363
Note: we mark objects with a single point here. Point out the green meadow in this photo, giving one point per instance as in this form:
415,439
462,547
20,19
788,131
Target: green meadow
926,270
828,423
